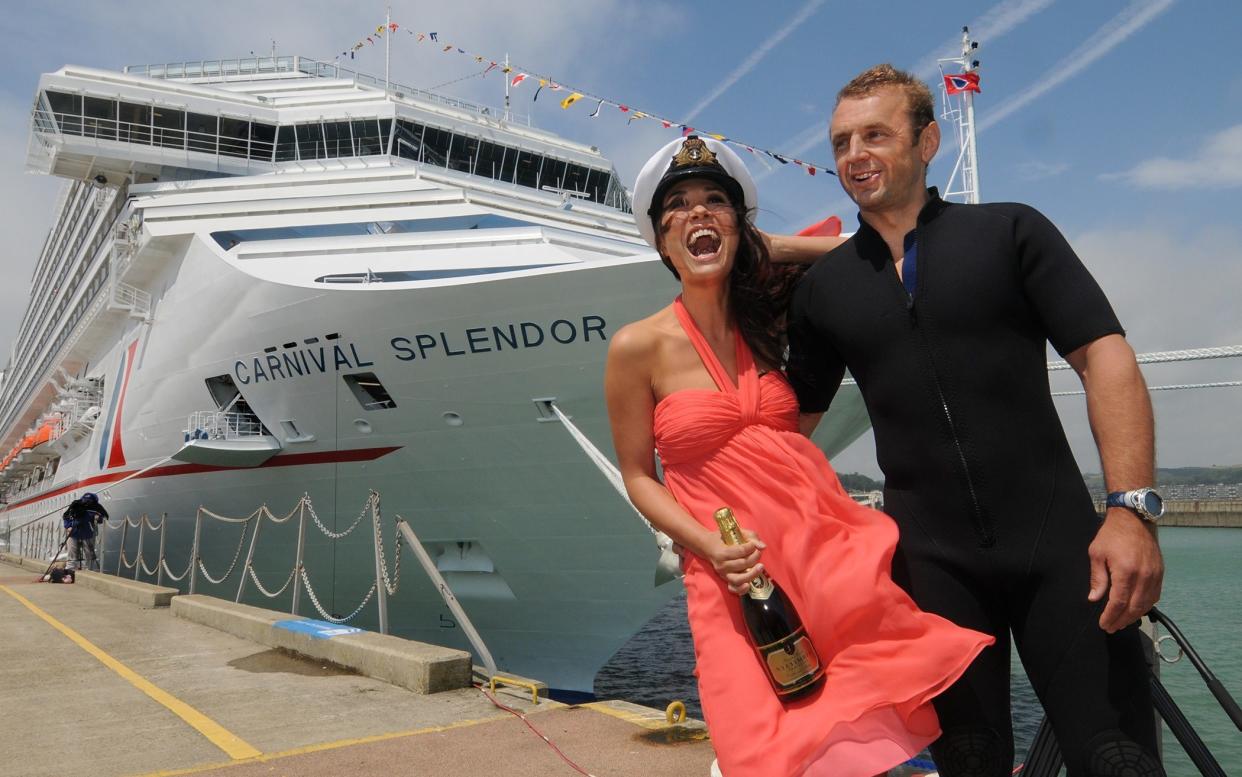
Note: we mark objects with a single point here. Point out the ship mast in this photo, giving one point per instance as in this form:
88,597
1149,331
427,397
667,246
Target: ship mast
958,110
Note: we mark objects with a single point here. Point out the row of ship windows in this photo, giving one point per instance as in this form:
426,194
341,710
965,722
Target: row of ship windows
109,119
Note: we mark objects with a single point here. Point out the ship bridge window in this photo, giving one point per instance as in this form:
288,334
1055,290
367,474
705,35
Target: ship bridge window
135,123
169,127
310,141
436,146
527,173
369,392
201,132
67,109
462,153
234,137
99,117
230,239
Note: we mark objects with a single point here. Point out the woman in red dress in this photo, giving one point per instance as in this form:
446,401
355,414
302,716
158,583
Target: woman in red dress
701,383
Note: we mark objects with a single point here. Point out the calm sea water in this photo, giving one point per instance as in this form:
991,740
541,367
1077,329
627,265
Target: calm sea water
1202,594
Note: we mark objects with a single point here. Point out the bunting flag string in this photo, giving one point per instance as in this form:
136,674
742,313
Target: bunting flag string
518,75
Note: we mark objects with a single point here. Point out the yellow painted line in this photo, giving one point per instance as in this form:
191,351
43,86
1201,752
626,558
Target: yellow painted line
219,736
307,749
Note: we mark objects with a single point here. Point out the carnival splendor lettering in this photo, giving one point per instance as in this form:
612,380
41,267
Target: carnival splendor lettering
424,346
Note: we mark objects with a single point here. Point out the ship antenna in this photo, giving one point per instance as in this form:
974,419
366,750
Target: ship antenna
506,79
387,44
958,110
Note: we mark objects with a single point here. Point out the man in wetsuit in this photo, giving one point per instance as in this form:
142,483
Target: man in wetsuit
941,312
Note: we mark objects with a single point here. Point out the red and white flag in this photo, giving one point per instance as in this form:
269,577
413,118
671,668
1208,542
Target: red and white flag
961,82
517,79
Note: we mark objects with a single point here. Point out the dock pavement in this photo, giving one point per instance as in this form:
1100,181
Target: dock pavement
94,685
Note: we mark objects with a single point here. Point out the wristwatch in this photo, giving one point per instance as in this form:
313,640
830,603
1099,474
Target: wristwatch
1145,502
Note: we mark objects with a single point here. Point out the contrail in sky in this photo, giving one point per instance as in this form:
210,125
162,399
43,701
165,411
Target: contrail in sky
749,64
995,22
1112,34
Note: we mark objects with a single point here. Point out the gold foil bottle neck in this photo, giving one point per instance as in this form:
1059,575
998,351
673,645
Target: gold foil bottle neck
730,532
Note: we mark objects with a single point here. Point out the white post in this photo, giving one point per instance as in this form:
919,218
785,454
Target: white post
507,80
297,563
254,538
387,44
99,551
198,527
142,532
381,591
159,569
120,553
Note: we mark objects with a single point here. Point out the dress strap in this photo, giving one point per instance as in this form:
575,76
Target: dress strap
706,354
747,377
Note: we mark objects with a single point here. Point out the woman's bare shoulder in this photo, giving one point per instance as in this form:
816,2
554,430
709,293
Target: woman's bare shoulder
642,339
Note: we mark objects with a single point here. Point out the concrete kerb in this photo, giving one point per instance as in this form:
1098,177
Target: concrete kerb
419,667
144,595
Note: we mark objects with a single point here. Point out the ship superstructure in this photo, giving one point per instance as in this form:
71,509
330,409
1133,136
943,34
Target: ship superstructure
272,277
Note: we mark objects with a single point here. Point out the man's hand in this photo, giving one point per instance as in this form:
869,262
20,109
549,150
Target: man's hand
1127,565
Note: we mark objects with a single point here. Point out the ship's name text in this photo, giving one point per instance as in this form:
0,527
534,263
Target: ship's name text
485,339
421,346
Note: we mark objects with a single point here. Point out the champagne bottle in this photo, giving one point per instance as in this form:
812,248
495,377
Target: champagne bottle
784,648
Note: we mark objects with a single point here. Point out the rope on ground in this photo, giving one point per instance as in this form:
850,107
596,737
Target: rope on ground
315,601
538,733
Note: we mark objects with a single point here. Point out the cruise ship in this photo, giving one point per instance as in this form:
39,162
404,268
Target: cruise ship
274,277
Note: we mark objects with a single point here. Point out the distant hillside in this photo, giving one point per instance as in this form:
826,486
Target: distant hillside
856,482
1176,476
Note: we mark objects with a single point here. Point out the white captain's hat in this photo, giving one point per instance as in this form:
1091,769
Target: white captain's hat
689,157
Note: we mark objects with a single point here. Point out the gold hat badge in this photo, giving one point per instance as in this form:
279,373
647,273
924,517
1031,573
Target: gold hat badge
694,153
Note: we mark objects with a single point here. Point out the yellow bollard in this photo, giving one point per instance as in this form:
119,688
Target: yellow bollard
675,713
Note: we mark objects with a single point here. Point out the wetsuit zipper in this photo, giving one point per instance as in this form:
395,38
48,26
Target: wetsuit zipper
983,527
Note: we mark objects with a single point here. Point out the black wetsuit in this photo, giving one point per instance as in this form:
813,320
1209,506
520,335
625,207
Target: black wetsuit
995,519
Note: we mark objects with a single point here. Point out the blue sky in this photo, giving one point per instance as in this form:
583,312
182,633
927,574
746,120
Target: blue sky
1120,119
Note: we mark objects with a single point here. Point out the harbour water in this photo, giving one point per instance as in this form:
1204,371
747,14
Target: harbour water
1201,594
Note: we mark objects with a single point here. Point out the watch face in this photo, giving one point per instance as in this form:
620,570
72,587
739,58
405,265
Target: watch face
1152,503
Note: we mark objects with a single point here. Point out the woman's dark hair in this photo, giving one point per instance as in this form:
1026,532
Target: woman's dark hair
759,291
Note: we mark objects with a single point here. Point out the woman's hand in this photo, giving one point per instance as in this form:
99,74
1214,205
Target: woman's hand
737,564
799,249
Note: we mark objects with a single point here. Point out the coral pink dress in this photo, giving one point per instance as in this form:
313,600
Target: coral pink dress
739,447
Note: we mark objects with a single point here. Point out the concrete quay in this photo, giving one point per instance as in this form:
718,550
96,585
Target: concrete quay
100,680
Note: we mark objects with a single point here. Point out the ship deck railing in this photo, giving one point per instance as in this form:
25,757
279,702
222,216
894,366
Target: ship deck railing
245,68
219,425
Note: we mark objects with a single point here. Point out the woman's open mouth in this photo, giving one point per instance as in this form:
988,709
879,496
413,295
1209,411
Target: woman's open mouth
704,243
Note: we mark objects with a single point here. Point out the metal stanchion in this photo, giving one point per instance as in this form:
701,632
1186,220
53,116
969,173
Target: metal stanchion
159,569
198,526
142,532
254,538
297,562
381,588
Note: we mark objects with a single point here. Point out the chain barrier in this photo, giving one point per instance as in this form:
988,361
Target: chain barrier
376,519
143,565
125,564
227,519
315,601
255,577
177,578
236,555
331,534
296,509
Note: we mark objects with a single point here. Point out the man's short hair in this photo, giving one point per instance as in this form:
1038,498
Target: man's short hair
919,97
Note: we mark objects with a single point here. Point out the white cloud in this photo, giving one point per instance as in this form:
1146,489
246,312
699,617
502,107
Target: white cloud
1037,170
1217,164
1115,31
756,56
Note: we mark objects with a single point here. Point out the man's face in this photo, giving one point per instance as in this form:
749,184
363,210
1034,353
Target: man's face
881,159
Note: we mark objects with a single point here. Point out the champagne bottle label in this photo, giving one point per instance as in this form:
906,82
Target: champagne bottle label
792,661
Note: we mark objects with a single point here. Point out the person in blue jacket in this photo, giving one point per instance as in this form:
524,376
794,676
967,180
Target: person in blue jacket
80,520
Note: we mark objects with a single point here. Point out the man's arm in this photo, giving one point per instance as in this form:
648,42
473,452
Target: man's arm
1125,558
